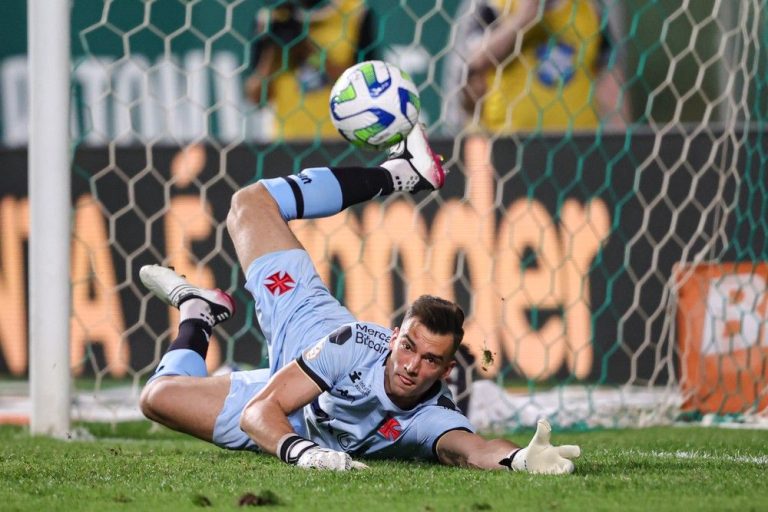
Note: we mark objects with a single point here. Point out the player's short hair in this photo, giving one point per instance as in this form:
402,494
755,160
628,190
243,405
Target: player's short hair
439,316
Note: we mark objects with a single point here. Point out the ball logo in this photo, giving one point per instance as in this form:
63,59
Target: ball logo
374,105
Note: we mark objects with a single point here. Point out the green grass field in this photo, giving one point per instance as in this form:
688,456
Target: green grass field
136,467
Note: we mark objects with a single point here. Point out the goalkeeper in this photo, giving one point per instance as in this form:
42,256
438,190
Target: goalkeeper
336,388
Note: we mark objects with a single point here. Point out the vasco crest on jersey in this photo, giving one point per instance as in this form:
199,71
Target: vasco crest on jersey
390,429
279,283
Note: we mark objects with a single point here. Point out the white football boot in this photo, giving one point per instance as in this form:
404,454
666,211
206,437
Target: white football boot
174,290
413,165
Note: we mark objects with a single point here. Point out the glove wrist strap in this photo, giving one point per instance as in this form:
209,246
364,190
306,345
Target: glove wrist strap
291,446
510,459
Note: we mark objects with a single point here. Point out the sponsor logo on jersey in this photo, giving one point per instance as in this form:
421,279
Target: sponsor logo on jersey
279,283
359,387
391,429
362,389
340,335
373,333
372,338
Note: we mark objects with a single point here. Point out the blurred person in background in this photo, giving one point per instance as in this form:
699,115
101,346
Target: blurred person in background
299,50
529,65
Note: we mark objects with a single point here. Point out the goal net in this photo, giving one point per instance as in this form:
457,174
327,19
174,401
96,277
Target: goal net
603,224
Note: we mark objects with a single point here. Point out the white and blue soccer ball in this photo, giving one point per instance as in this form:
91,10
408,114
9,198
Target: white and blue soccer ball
374,105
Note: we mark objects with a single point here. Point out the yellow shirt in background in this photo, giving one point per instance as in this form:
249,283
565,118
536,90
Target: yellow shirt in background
549,84
302,112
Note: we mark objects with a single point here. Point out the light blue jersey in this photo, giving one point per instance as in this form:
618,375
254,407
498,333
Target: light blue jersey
354,414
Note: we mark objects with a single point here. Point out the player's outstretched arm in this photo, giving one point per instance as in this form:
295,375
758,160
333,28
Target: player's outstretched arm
460,448
265,420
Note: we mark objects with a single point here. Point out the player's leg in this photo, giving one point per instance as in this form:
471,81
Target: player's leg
259,212
186,404
180,395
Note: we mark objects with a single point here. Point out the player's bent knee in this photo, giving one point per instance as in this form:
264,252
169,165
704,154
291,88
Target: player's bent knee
245,418
253,200
256,225
153,396
249,416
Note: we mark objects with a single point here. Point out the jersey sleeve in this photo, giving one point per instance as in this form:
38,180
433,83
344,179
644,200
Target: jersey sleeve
436,421
329,359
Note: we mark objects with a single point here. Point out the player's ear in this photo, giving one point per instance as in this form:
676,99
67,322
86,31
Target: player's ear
392,338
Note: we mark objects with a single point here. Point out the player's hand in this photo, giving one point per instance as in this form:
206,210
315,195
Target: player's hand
541,457
324,458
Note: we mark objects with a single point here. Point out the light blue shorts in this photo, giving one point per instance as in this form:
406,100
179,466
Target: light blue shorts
294,310
243,386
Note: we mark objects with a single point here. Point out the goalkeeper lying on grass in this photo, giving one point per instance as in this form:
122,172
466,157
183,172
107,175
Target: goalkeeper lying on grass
336,388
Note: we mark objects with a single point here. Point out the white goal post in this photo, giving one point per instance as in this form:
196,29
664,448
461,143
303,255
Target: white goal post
50,212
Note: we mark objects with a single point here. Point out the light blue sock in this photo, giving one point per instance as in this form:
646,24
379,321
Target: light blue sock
181,362
312,194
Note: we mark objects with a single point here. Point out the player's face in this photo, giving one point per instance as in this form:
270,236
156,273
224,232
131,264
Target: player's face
419,358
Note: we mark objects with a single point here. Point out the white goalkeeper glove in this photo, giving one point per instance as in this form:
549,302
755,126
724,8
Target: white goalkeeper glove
294,449
324,458
541,457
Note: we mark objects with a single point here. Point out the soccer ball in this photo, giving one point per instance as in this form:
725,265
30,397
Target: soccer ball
374,105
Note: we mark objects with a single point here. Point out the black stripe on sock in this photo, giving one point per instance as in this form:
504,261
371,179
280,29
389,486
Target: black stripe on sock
298,196
193,335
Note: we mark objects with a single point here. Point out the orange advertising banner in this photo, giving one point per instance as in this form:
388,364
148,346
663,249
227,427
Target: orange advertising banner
722,320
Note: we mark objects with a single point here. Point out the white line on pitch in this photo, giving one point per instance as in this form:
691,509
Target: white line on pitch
680,454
